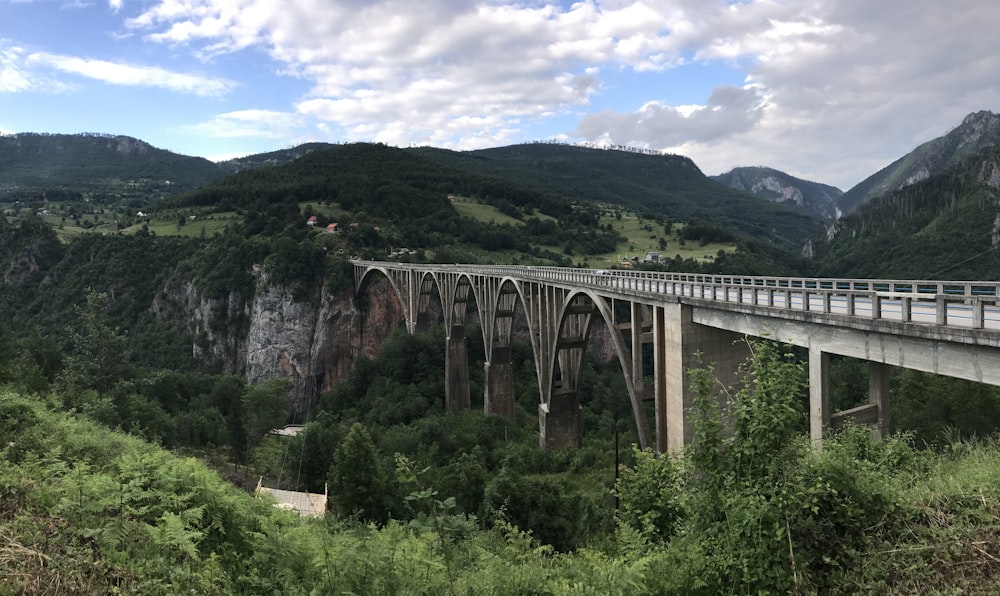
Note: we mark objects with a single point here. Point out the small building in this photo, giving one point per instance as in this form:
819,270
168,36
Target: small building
333,228
312,220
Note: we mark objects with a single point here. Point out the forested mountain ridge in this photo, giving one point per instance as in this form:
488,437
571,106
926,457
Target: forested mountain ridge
271,158
663,185
819,200
944,227
976,132
63,165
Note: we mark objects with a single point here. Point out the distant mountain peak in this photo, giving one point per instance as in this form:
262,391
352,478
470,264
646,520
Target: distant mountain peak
977,131
819,200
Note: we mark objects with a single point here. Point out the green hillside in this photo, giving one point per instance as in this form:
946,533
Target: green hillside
105,167
667,186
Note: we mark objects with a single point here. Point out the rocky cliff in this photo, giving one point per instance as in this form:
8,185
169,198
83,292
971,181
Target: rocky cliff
312,343
819,200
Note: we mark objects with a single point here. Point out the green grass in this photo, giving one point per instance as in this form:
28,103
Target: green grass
479,211
200,226
332,211
644,235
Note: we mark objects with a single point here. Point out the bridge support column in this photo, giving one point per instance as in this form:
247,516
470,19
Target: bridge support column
878,394
819,395
499,377
456,362
677,342
560,420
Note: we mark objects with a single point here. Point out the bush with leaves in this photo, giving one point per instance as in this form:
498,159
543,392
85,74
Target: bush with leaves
752,505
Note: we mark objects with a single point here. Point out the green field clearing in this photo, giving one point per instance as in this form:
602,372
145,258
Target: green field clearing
479,211
200,226
331,211
644,235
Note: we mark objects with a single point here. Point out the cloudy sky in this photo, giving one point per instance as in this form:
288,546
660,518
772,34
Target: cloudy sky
829,90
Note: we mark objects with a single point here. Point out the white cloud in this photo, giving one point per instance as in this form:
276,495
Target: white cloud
16,75
250,123
835,88
130,75
445,71
13,77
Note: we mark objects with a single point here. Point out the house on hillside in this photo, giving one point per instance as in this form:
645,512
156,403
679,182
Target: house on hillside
312,220
333,228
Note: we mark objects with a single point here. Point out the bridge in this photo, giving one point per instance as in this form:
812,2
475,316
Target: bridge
949,328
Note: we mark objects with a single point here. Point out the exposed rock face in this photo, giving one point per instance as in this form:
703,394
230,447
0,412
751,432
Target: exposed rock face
311,343
315,347
215,323
819,200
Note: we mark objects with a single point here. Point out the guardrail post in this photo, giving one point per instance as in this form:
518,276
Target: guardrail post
977,313
906,309
941,311
876,305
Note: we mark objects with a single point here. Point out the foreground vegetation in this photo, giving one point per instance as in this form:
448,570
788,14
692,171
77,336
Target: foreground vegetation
750,507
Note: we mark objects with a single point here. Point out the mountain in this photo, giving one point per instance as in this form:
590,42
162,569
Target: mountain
272,158
664,185
96,163
944,227
818,200
976,132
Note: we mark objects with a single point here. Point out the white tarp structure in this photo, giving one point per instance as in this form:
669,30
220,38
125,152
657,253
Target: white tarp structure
305,504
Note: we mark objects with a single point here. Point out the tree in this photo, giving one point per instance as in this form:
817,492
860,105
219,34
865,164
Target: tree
97,360
265,407
357,477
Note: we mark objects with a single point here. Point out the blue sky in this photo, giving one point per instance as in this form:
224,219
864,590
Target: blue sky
829,90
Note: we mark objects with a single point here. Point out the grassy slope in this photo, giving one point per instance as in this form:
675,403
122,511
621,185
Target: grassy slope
87,510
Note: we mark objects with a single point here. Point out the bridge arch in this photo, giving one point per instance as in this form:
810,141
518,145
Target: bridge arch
559,412
498,300
399,286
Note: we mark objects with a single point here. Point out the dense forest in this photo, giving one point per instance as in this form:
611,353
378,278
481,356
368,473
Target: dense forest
128,454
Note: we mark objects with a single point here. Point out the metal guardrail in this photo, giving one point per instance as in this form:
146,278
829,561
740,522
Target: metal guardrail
964,304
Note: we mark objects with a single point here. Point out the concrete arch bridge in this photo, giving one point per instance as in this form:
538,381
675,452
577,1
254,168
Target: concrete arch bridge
950,328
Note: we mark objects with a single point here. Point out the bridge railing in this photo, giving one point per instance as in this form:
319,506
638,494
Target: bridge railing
968,304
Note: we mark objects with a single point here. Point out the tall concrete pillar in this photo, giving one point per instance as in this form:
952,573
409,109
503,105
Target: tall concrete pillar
677,343
456,363
878,394
660,378
499,377
820,409
560,420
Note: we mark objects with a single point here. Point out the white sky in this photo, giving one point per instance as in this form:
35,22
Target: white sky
828,90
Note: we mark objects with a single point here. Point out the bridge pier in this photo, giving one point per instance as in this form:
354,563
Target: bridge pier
822,418
819,395
499,376
560,422
878,394
677,343
456,362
